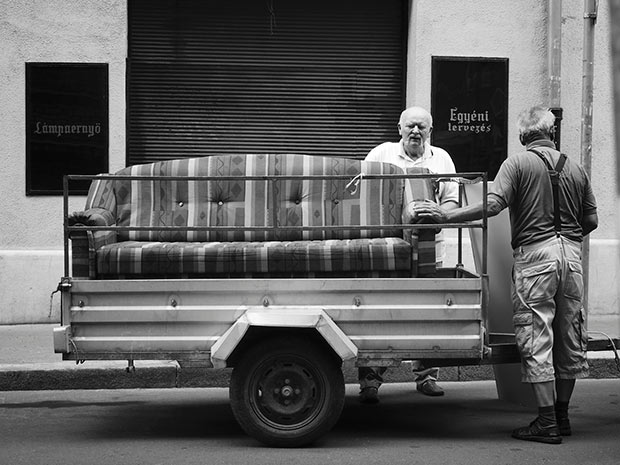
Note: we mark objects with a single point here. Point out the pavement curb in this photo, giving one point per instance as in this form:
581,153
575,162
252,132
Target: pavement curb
169,374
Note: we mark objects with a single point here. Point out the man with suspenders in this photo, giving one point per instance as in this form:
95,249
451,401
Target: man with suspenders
552,207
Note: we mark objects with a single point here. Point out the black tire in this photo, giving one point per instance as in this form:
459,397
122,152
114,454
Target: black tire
287,392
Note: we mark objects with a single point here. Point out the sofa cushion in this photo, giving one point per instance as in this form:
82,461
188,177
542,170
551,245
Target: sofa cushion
237,203
320,258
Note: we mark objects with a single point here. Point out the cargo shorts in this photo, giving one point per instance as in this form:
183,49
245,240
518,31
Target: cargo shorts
548,315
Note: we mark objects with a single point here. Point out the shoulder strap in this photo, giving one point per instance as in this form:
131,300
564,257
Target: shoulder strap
560,164
554,176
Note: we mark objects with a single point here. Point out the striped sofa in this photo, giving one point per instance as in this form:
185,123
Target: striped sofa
242,223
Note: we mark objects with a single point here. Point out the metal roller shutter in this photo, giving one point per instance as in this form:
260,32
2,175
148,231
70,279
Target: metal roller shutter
324,77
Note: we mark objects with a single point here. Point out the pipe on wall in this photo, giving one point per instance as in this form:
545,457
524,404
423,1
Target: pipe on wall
614,21
554,64
590,8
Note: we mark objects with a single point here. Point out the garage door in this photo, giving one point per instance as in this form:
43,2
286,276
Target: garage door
249,76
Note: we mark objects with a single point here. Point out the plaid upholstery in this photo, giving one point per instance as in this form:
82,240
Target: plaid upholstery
423,240
250,203
84,244
348,257
244,202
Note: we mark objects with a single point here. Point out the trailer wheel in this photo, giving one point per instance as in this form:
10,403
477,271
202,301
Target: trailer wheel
287,392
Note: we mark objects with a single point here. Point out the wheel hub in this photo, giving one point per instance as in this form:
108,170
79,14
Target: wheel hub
287,394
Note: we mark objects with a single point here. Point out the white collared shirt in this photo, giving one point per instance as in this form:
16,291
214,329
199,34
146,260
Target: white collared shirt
435,159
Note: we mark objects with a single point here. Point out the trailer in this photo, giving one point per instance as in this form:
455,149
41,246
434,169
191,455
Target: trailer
286,338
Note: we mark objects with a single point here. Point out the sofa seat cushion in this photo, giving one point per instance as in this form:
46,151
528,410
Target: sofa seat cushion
390,257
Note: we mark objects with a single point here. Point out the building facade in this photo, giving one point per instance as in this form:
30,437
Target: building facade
121,35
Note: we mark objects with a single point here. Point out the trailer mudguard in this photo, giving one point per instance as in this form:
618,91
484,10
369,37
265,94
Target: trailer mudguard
282,317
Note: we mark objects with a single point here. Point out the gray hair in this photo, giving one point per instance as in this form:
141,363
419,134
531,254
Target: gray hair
536,120
403,115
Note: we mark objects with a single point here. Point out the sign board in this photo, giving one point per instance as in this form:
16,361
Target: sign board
66,125
469,104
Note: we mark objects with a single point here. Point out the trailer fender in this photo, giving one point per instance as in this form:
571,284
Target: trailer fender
282,318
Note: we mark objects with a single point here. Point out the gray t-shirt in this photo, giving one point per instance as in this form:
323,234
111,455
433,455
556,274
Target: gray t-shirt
523,185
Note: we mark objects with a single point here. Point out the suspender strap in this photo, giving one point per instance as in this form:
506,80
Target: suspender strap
554,176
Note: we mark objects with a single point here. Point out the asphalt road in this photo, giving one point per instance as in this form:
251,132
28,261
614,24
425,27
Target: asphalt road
195,426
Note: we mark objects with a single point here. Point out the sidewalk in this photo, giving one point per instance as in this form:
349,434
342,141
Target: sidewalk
28,362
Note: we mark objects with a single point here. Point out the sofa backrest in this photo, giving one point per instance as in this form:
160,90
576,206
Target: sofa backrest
251,203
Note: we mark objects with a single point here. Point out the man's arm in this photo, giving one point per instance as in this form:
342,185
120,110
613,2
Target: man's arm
445,214
450,205
589,223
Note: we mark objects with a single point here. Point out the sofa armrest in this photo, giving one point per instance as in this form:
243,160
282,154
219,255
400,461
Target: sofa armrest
92,217
84,244
423,260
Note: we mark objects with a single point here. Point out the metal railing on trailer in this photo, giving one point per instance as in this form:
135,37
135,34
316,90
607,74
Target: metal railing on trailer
461,178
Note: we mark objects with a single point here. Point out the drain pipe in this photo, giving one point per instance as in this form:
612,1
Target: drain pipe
614,14
554,64
589,15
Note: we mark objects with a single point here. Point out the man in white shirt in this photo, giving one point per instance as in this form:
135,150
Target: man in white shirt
414,150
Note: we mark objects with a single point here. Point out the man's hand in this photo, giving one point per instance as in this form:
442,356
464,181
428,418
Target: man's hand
409,215
429,212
